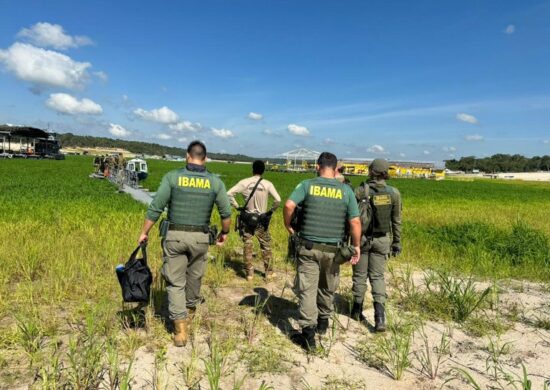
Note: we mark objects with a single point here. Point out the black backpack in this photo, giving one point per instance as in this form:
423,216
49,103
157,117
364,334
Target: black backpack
375,206
246,219
135,277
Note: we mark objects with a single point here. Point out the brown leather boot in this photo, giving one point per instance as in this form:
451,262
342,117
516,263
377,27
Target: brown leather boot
180,332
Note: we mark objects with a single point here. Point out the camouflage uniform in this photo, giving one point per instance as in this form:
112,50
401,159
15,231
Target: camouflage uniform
258,204
264,239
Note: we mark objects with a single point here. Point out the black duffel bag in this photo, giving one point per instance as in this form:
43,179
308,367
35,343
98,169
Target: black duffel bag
249,220
135,277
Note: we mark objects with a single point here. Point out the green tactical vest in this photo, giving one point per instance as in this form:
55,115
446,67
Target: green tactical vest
381,203
192,198
324,211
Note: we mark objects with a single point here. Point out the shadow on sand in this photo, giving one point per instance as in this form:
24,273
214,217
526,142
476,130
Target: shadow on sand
277,310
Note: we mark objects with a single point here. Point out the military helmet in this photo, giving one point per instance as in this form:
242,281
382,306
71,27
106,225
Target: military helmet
379,166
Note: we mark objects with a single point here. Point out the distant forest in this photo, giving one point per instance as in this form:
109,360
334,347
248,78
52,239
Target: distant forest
138,147
500,163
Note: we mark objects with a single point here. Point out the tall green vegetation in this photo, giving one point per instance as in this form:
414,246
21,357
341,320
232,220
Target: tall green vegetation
62,234
500,163
70,139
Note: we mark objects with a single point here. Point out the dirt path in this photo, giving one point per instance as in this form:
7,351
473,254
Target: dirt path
341,366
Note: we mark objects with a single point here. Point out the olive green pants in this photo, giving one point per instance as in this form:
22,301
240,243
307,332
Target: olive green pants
183,268
371,266
316,281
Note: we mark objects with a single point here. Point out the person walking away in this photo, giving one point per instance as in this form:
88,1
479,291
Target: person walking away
380,206
255,217
327,207
190,194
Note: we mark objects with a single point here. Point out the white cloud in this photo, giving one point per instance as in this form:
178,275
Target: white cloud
328,141
268,132
449,149
546,141
102,76
467,118
67,104
162,115
474,137
401,154
182,140
510,29
298,130
118,130
52,35
164,136
186,126
44,67
426,152
255,116
377,149
223,133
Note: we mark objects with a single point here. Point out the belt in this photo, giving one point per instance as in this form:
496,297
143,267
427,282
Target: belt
323,247
188,228
377,235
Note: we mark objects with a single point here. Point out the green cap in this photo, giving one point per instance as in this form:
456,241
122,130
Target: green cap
379,166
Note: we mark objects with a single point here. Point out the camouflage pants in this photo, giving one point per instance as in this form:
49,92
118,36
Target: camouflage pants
371,266
317,279
183,268
264,238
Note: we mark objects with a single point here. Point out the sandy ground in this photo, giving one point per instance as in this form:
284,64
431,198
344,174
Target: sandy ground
528,345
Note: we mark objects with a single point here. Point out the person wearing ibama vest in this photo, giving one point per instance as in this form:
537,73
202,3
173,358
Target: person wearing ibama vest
190,194
380,206
327,207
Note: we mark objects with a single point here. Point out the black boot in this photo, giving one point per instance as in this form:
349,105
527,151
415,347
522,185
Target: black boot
357,312
322,325
306,339
379,317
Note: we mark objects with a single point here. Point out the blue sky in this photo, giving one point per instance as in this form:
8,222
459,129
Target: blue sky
422,80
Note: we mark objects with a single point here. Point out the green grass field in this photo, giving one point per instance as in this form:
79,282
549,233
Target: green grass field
62,233
488,228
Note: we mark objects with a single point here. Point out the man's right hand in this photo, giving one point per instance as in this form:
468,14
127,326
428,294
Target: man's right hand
143,238
395,250
222,238
290,230
355,258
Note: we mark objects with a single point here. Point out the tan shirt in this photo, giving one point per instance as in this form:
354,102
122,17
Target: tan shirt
259,201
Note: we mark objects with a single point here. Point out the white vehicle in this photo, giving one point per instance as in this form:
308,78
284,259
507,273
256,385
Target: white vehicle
139,166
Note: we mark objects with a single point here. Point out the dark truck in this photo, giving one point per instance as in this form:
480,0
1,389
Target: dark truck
28,142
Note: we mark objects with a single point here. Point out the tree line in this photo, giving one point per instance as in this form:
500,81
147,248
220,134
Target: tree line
500,163
138,147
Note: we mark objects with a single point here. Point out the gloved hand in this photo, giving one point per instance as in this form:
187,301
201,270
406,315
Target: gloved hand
395,250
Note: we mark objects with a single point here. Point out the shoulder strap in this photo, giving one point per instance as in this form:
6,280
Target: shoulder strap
252,193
